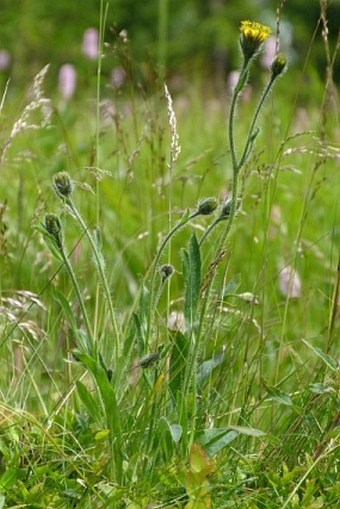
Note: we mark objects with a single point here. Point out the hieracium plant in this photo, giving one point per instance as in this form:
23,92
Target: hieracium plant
252,37
183,369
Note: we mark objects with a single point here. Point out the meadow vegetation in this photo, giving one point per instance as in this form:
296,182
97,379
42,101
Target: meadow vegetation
169,293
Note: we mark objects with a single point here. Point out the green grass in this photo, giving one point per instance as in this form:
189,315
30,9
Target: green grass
240,408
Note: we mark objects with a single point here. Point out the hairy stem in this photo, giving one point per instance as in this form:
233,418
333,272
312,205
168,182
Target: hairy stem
101,271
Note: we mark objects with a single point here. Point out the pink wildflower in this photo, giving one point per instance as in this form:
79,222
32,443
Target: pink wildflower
90,43
290,284
67,81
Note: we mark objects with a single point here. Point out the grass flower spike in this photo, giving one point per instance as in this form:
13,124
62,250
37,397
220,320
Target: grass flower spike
253,34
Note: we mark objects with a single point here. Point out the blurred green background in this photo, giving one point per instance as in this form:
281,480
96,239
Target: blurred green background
183,37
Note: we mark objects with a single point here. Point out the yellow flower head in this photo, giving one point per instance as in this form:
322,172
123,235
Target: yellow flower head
253,34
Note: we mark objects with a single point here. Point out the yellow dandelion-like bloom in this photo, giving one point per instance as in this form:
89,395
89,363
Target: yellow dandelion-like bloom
254,31
253,34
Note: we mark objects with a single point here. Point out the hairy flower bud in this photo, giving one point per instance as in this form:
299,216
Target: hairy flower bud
166,271
53,226
207,206
226,208
278,65
62,184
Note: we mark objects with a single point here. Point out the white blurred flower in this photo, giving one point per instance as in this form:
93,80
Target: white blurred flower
176,321
67,81
90,43
269,51
118,76
232,82
290,284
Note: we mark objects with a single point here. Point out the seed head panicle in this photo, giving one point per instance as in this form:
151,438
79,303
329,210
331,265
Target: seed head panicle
37,103
37,87
175,146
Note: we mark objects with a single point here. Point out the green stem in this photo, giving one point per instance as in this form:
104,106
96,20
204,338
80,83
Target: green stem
88,327
159,291
102,21
233,207
233,104
101,271
162,35
209,230
250,139
166,239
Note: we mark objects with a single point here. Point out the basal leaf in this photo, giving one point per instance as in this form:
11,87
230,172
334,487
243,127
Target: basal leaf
244,430
278,395
89,401
215,439
327,359
178,362
205,369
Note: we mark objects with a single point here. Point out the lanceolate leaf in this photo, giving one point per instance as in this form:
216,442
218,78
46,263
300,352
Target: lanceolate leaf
89,401
195,272
50,243
191,266
215,439
207,367
65,306
178,362
81,338
244,430
278,395
327,359
106,391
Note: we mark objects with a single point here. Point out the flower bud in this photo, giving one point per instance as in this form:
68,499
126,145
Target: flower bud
53,227
151,359
226,208
166,271
278,65
207,206
62,184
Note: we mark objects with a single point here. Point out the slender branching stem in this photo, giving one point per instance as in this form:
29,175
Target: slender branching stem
232,111
166,239
209,230
74,281
101,271
250,138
